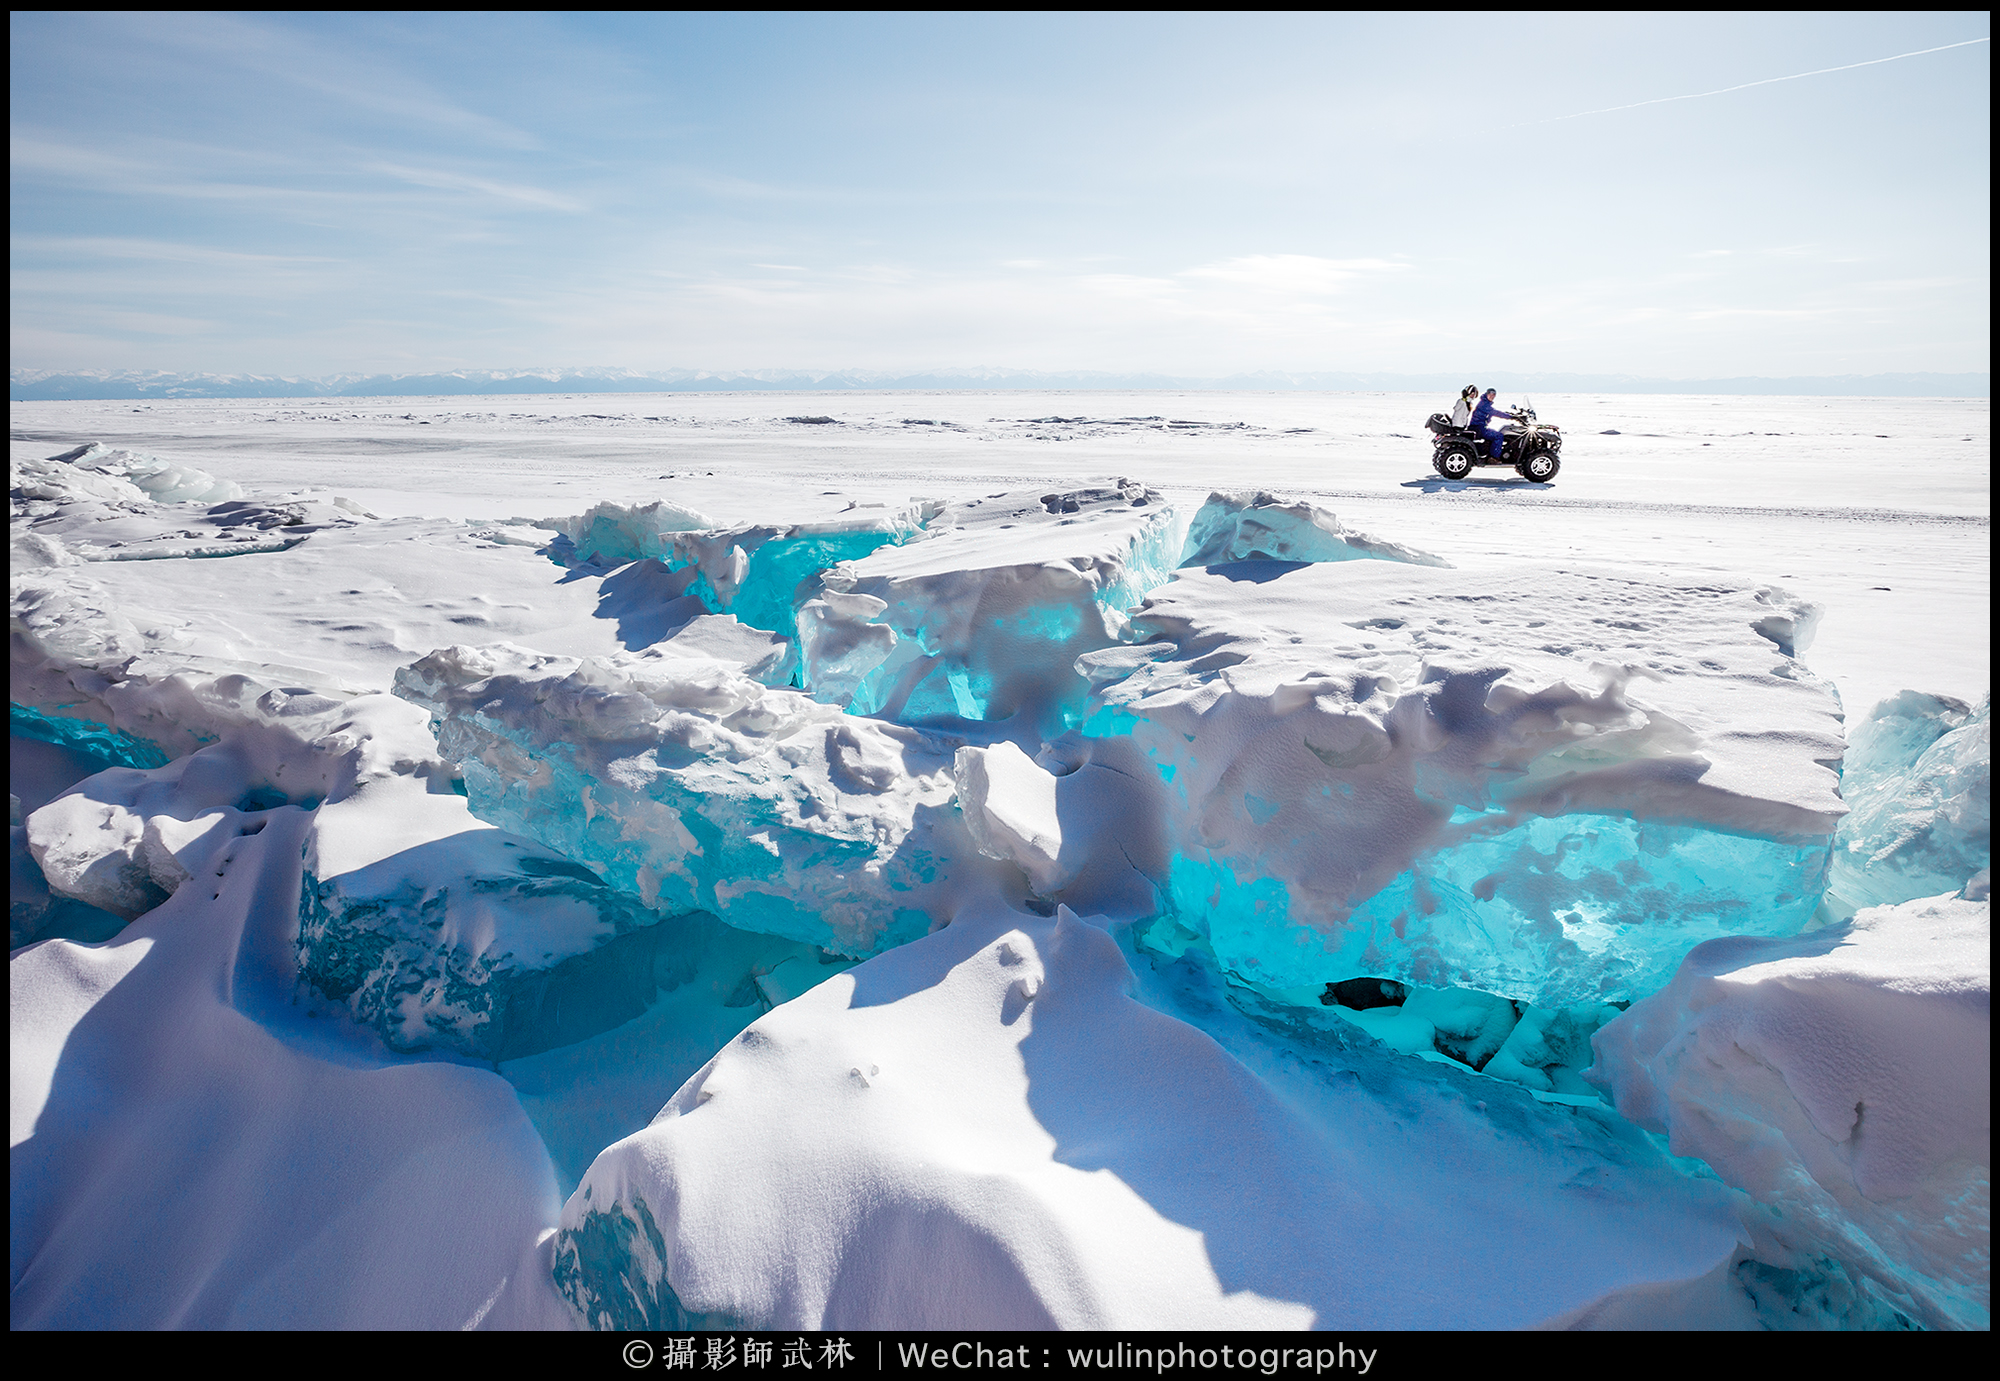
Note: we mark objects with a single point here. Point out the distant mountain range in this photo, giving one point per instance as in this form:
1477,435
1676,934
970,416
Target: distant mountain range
40,385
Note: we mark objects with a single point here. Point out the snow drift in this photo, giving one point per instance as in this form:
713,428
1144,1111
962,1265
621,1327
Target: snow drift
984,1129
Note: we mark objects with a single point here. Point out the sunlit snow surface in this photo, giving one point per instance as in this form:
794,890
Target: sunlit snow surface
1209,795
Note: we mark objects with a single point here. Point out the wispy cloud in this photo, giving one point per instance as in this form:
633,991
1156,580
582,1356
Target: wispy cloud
1745,86
365,80
461,182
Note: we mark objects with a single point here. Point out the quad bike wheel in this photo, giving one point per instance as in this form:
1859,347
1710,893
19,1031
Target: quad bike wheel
1540,467
1453,465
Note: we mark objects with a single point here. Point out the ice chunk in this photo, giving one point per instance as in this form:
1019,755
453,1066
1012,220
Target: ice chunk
85,673
37,487
696,787
767,658
1541,1048
983,1129
983,618
1549,786
1256,525
764,574
612,533
1918,779
161,481
1843,1079
34,912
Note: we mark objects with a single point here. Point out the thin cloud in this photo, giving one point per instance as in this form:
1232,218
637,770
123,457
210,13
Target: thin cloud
1745,86
160,251
459,182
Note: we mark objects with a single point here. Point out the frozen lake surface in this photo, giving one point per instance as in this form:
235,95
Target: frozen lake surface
998,859
1878,509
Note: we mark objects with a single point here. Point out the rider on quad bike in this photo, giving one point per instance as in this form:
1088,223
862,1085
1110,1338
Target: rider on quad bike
1533,448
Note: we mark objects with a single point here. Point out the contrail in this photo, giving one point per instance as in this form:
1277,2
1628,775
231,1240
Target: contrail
1697,95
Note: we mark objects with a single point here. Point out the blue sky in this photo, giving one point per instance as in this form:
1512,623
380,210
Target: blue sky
313,194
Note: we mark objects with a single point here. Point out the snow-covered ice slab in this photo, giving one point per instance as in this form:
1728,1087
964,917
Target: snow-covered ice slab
1549,784
691,785
1919,779
985,616
983,1129
95,504
1843,1079
1256,525
154,648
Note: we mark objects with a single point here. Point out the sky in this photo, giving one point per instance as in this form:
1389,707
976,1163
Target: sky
1193,194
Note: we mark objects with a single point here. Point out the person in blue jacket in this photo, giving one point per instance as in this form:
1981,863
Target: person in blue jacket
1483,414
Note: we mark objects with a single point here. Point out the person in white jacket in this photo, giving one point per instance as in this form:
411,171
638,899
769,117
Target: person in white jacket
1461,411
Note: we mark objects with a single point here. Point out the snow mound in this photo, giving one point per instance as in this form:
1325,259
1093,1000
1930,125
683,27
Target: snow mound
1255,525
1548,787
985,616
1919,781
695,787
983,1129
1843,1079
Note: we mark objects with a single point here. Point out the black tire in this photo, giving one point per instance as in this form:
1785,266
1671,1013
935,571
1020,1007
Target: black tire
1540,468
1454,465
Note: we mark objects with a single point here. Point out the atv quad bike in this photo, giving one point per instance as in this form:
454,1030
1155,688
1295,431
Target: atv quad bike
1532,448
